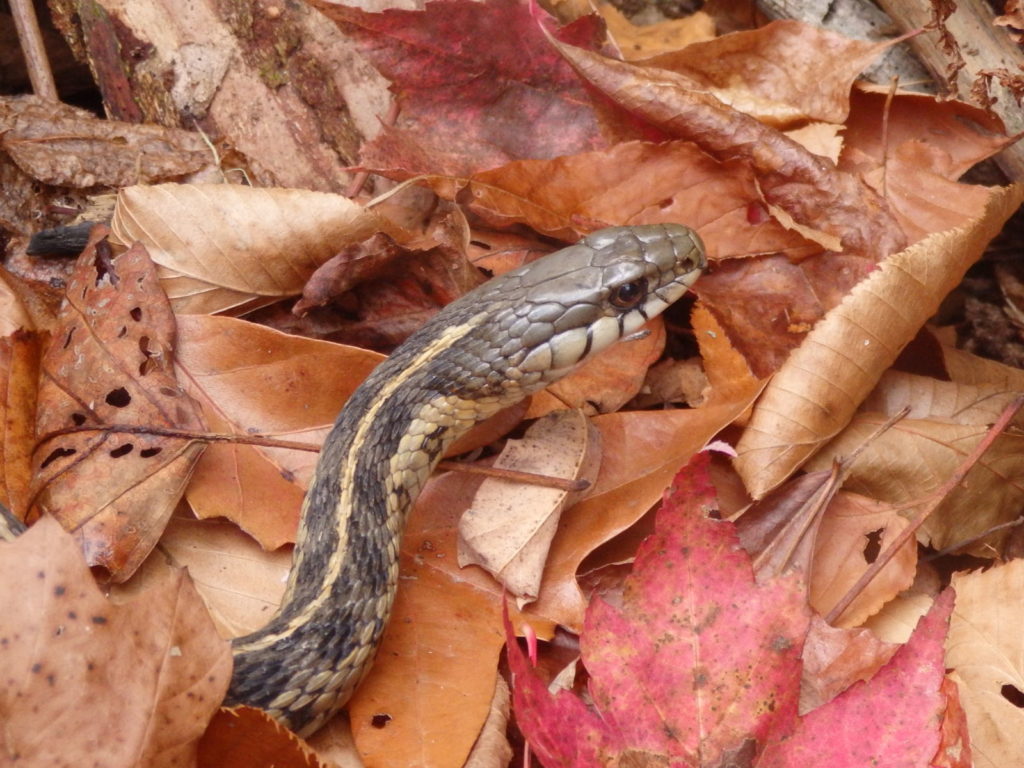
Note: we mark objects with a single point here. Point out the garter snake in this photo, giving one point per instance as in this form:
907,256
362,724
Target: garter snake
510,337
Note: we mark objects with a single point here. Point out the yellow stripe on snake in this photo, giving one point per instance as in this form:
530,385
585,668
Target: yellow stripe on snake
509,338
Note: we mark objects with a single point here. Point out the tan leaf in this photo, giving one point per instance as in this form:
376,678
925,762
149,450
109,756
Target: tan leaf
250,379
926,397
239,581
916,456
985,648
110,362
508,529
966,368
223,247
854,530
78,669
815,393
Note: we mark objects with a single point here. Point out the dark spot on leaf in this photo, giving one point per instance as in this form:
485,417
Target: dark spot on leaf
666,203
148,453
36,668
119,398
99,619
123,332
1013,694
40,574
51,679
57,453
59,590
78,418
873,545
72,615
136,313
122,450
168,391
380,720
67,339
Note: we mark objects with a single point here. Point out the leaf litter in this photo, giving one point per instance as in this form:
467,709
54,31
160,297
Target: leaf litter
805,204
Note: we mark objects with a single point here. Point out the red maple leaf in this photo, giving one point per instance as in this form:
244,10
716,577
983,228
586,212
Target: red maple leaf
700,666
478,87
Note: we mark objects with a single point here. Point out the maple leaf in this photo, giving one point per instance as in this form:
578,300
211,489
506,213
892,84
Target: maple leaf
469,104
700,666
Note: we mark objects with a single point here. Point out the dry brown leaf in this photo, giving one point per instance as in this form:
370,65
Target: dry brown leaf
640,42
782,73
965,368
985,649
931,398
492,749
632,183
508,529
810,188
243,737
239,581
816,392
915,456
69,147
111,362
221,247
19,378
252,380
78,670
853,531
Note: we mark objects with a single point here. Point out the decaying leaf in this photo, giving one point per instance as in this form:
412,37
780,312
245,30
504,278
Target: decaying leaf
221,247
77,669
70,147
816,392
111,362
985,649
509,528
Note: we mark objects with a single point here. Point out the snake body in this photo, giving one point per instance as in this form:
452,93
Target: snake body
510,337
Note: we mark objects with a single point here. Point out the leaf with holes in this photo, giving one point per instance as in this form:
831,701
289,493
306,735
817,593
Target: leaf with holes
110,362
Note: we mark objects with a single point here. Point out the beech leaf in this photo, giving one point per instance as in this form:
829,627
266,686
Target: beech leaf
223,247
509,528
818,389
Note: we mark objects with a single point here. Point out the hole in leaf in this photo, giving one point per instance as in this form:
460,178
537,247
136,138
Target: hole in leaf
380,720
136,313
78,418
1013,694
58,453
122,450
119,398
873,545
666,203
123,332
67,339
148,453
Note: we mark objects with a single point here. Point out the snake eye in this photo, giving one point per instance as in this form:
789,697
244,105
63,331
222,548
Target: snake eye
628,295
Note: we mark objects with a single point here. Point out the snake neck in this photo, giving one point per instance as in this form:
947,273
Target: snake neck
307,661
